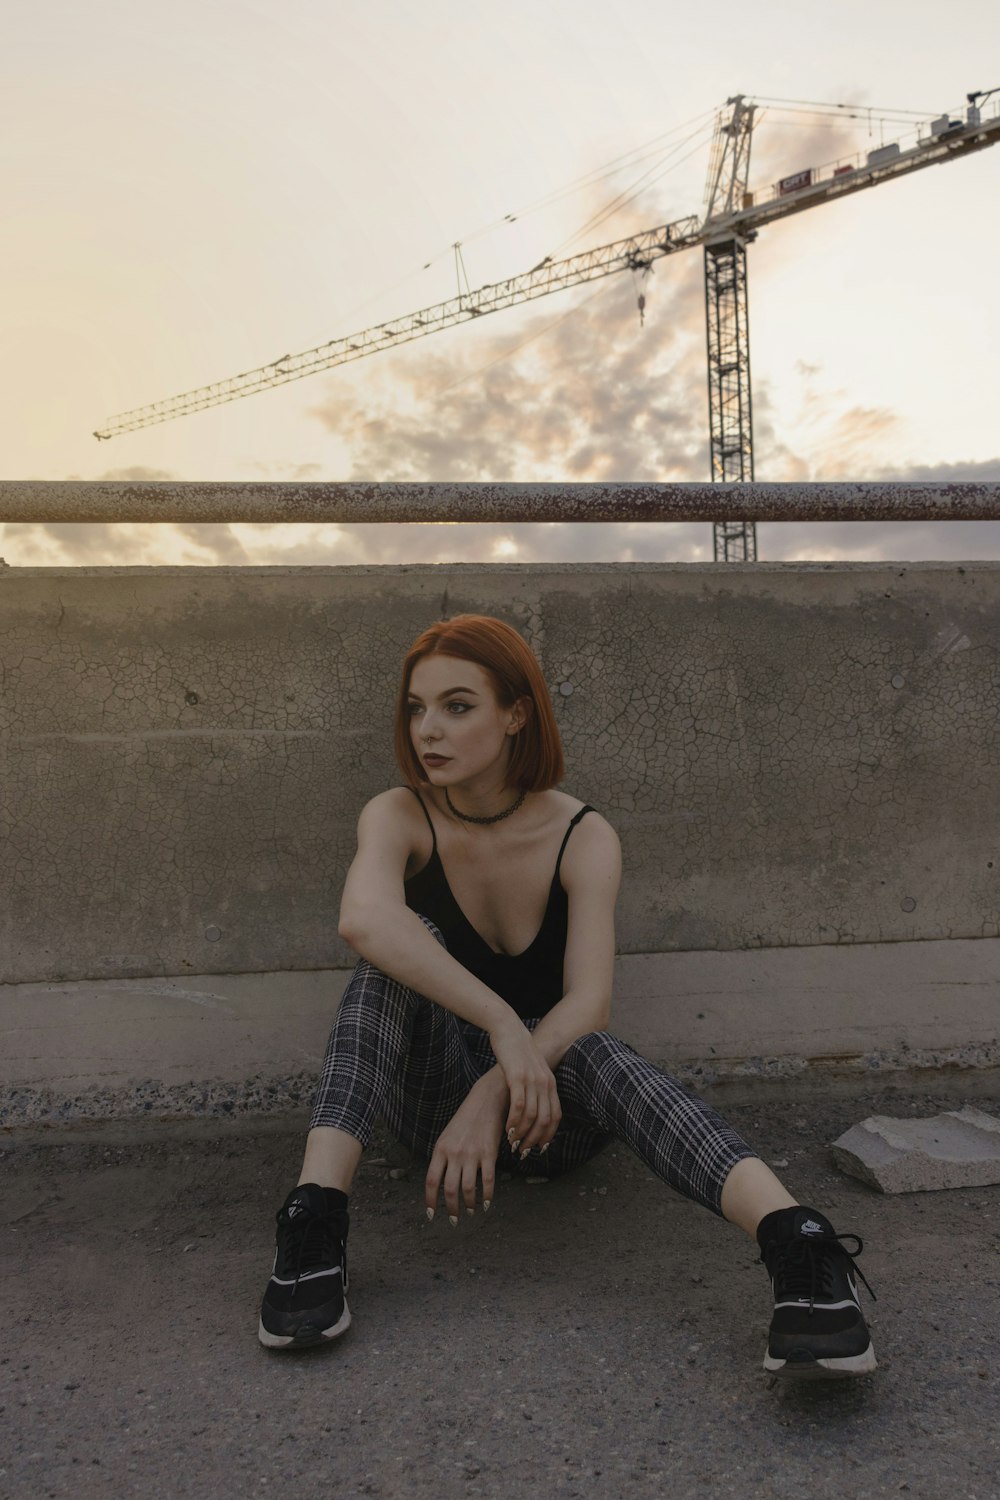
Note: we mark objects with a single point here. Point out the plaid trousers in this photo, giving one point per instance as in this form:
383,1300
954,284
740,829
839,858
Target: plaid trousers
395,1054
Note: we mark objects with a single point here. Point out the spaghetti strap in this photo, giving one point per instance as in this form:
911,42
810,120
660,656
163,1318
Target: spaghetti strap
565,841
426,815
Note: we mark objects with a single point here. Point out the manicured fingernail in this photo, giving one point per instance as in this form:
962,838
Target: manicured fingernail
430,1213
525,1152
471,1211
545,1148
515,1144
486,1204
510,1135
453,1221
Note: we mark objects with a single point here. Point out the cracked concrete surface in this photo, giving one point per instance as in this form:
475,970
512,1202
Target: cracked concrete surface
793,755
595,1338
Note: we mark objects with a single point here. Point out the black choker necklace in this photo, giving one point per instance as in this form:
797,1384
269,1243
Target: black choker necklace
468,818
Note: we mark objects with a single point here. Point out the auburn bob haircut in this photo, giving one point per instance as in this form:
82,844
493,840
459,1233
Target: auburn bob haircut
536,761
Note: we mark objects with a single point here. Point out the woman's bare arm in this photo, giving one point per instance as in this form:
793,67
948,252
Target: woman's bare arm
466,1150
591,875
376,921
378,924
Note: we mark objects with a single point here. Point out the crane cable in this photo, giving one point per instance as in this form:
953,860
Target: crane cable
589,179
592,178
821,104
628,195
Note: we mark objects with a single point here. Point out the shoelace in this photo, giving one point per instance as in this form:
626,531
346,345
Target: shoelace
806,1264
314,1241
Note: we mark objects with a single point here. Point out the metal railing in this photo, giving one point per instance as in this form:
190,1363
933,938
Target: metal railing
205,501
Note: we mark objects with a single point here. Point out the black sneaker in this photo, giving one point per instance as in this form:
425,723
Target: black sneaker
304,1301
817,1330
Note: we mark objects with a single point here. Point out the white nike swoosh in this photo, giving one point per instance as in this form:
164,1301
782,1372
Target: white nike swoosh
309,1276
827,1306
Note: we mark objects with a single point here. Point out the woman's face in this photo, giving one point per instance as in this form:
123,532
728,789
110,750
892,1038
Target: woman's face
457,728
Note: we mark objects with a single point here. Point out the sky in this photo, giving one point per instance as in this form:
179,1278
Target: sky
193,188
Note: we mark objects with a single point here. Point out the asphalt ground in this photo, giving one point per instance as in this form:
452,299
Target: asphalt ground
594,1336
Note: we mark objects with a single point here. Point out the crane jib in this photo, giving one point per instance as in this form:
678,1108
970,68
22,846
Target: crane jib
733,216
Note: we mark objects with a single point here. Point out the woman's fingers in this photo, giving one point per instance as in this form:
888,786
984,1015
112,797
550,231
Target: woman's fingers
529,1114
459,1177
546,1121
527,1073
452,1183
488,1171
538,1119
470,1176
432,1182
535,1125
523,1110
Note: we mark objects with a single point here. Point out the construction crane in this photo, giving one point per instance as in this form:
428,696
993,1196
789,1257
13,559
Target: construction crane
731,221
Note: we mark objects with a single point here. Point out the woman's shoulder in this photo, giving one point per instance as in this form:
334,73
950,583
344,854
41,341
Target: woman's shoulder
394,810
594,843
570,807
394,826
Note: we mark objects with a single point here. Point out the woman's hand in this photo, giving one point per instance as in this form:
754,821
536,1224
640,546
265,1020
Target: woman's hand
467,1148
535,1111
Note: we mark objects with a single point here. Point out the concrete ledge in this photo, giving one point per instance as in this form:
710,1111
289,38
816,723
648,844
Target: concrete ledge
794,1019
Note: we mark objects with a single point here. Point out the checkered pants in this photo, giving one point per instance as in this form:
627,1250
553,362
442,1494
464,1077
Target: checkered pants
395,1054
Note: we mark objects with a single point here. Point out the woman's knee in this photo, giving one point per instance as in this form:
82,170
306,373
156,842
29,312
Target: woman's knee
594,1049
366,973
371,992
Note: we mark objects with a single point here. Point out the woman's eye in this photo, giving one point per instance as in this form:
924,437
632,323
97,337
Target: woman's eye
412,708
459,706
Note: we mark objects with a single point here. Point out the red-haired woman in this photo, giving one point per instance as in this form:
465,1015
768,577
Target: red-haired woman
481,900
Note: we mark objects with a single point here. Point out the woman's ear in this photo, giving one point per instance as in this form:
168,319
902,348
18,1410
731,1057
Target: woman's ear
519,715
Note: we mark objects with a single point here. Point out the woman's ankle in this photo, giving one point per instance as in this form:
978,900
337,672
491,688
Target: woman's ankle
331,1158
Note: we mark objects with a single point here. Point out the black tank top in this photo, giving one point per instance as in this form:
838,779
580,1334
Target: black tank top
531,982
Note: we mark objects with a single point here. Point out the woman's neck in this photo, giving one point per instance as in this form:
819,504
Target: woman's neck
474,807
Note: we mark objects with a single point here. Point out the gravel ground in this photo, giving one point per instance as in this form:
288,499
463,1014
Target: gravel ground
596,1336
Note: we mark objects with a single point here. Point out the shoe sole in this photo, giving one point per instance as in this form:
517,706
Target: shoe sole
823,1369
306,1337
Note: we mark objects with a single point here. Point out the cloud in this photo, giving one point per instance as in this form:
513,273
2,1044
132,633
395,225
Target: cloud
287,473
987,471
78,544
575,389
137,473
786,142
587,394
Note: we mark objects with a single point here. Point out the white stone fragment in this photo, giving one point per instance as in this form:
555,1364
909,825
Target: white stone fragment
955,1149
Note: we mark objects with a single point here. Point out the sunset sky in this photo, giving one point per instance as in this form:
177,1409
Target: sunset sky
193,188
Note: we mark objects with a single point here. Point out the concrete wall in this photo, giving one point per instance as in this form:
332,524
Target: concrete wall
793,754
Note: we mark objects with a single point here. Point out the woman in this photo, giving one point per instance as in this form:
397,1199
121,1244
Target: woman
475,1021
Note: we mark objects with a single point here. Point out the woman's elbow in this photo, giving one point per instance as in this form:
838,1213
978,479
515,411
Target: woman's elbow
351,927
362,926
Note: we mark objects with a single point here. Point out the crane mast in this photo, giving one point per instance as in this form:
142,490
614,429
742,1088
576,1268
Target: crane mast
730,408
732,218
